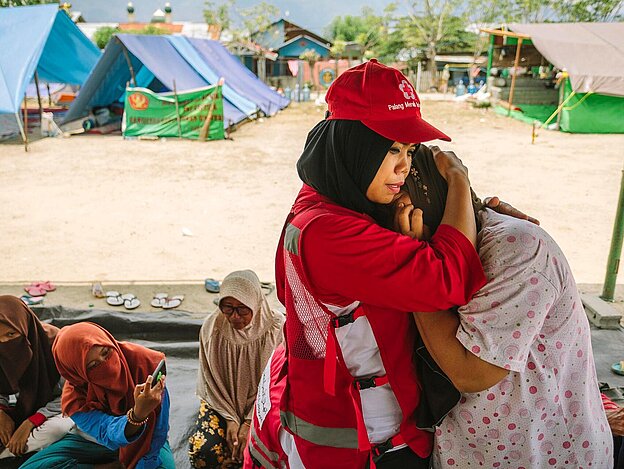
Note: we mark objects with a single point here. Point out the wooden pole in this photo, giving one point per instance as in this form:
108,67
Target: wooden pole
38,97
205,130
513,78
615,252
49,96
175,95
25,136
125,51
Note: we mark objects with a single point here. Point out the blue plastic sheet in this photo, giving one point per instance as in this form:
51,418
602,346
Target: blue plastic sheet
41,38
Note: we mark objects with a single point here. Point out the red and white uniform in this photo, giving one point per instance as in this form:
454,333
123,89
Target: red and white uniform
347,284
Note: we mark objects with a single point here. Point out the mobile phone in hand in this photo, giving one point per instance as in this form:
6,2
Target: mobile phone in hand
159,372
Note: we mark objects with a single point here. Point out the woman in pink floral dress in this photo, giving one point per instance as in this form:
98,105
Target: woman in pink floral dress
520,352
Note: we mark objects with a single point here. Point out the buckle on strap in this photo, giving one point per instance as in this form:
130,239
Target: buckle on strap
340,321
372,382
379,450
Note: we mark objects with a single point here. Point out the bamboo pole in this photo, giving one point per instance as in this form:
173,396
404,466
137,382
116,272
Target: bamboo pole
205,130
25,135
615,252
128,61
175,95
49,96
38,97
513,78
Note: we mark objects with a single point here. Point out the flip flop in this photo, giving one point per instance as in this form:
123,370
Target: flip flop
173,302
212,286
132,303
159,300
35,290
113,298
47,286
617,368
31,300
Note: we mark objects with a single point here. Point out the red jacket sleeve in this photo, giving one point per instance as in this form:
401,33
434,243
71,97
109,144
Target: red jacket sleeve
350,258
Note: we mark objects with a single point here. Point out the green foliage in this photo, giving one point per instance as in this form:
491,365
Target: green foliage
218,14
149,30
249,20
589,10
371,31
19,3
534,11
310,56
103,35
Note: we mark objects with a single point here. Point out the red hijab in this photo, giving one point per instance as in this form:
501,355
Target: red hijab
26,363
109,387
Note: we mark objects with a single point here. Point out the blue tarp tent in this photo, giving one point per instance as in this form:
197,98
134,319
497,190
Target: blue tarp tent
40,38
156,62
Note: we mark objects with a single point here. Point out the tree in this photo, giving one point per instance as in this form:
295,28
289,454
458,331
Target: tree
369,30
432,25
19,3
103,35
589,10
218,15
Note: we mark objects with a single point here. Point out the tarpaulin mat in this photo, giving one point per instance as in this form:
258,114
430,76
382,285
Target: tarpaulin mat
176,334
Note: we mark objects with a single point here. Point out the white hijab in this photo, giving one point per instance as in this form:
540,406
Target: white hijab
232,361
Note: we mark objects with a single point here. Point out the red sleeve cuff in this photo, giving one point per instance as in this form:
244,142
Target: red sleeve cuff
37,419
5,408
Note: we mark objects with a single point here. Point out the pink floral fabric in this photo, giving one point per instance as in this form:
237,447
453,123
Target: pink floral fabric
528,319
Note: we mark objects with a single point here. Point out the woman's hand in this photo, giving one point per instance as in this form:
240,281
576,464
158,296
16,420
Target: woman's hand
243,435
409,220
507,209
7,425
147,398
448,164
231,436
17,443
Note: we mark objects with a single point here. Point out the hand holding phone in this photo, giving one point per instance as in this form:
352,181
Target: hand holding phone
159,372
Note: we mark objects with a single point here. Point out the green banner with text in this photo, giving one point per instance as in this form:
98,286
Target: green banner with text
195,114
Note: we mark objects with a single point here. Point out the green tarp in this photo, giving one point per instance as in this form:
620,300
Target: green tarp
156,114
592,114
530,112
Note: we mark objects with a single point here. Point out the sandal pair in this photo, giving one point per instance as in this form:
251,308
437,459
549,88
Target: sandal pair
164,301
128,300
36,289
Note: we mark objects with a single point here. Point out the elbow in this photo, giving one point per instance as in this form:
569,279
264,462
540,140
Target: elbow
471,382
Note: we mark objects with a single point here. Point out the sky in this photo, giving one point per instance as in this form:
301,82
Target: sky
314,15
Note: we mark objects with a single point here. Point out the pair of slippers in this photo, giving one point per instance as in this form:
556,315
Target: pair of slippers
128,300
164,301
36,289
31,300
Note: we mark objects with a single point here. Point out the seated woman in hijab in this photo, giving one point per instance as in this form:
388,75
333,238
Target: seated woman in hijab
520,351
122,416
27,370
236,341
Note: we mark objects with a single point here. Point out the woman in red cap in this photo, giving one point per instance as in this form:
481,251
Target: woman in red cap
349,375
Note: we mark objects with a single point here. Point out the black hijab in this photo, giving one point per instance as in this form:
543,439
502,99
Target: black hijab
428,189
340,160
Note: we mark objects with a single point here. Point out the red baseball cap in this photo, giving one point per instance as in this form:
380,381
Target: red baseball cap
382,99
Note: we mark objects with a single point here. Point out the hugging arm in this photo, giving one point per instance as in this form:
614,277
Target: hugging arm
468,372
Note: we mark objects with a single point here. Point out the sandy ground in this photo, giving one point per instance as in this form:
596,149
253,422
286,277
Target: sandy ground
98,207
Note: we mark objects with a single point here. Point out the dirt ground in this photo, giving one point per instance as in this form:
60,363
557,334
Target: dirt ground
98,207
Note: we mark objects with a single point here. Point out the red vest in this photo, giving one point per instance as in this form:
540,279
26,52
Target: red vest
321,406
263,442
